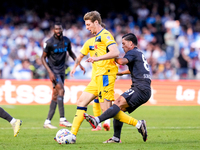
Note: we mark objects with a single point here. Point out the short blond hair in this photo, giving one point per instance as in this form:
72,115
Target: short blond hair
93,16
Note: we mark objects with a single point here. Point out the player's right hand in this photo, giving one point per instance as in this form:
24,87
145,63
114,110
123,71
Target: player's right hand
52,77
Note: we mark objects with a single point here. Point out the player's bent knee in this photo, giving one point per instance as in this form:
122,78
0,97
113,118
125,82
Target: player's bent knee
60,91
121,102
117,102
82,102
85,99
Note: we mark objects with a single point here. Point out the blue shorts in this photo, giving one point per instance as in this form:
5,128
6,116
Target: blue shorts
136,97
60,79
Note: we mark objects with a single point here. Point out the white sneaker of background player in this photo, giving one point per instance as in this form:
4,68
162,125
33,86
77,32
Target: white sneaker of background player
64,123
47,124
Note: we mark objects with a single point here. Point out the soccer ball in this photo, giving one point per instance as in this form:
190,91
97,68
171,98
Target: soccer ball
64,136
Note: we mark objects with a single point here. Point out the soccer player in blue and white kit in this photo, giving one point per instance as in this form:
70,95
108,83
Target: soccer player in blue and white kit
138,94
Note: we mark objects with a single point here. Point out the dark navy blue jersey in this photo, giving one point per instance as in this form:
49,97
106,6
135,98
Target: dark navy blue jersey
139,69
56,53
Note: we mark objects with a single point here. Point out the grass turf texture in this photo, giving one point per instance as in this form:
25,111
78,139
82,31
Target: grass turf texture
169,127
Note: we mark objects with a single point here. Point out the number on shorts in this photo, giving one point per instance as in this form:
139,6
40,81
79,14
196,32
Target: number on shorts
100,96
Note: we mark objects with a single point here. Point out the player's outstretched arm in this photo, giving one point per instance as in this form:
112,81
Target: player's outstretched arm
121,61
113,53
123,72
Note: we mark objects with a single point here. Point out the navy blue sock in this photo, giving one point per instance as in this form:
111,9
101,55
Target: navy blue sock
61,106
117,125
5,115
109,113
52,109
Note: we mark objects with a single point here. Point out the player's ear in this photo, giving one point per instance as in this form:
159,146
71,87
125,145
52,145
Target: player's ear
131,43
96,22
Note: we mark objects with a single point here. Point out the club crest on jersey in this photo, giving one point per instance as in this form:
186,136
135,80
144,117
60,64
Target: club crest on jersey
55,45
65,43
95,46
98,39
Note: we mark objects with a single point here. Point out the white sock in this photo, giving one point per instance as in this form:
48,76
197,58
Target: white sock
47,121
63,119
107,121
115,138
99,124
97,119
138,124
12,121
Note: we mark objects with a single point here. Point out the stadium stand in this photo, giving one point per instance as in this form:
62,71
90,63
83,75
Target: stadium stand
168,33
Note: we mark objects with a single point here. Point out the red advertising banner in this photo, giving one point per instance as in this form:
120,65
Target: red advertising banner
164,92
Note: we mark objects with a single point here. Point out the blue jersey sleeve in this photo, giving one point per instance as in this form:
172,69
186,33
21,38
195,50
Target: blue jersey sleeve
130,56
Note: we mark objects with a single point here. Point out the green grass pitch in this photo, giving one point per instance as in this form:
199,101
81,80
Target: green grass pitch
169,127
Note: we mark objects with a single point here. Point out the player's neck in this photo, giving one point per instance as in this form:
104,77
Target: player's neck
58,37
99,28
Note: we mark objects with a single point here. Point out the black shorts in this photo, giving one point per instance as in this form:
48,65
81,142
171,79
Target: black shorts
136,97
60,79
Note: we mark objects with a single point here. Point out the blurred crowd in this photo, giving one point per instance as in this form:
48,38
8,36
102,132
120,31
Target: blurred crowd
168,35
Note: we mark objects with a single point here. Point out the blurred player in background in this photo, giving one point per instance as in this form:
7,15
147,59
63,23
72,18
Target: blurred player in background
55,49
88,47
16,123
138,94
106,69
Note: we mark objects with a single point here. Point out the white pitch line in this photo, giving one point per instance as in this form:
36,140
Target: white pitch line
33,128
173,127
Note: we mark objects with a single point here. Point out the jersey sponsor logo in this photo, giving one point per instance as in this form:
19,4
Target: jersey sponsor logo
91,47
98,39
60,50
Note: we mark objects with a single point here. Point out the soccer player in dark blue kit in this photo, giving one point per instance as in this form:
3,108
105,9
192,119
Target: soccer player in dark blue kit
138,94
55,50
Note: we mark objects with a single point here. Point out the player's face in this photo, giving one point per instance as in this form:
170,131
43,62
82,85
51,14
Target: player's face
126,45
58,30
90,26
